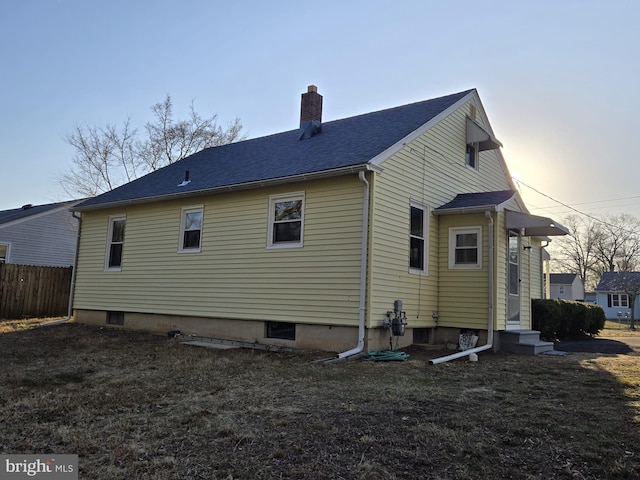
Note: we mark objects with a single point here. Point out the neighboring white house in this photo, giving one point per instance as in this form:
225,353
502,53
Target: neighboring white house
611,296
566,286
39,235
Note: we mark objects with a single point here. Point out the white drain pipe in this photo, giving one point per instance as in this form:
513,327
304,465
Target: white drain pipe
472,352
363,270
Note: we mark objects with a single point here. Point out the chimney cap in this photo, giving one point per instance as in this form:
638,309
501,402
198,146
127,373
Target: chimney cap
312,88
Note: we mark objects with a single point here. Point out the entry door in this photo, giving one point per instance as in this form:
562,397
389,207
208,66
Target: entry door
513,281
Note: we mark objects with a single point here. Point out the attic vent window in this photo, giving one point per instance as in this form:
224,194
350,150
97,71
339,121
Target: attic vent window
186,180
478,136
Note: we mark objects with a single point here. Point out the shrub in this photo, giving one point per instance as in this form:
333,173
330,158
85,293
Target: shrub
559,319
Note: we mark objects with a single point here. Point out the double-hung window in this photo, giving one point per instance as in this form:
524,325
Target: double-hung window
618,300
191,229
286,221
418,238
115,243
465,247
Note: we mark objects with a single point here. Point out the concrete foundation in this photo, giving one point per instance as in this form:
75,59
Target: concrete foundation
329,338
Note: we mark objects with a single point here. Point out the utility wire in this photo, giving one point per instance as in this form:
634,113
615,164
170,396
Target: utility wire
599,220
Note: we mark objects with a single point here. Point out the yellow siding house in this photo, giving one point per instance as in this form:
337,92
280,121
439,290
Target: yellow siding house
399,226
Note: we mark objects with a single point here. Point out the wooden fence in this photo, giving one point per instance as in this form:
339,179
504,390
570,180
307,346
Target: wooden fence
28,291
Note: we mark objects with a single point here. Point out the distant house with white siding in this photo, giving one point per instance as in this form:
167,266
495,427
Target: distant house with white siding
39,235
566,286
307,238
613,294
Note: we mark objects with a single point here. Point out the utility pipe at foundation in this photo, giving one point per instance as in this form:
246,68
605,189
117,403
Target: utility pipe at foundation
363,270
489,344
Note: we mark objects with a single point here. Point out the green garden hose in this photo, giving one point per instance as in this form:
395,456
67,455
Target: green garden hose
388,356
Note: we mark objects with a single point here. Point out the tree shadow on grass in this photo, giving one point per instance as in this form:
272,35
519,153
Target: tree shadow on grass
593,345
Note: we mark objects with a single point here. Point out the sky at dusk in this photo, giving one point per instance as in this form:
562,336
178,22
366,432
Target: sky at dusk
558,79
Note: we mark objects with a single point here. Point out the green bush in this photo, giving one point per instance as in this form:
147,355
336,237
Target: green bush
560,319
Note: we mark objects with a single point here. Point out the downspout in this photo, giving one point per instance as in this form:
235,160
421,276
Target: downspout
471,353
363,270
72,290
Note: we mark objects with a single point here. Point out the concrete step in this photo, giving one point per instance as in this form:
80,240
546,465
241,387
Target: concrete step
528,348
519,336
523,342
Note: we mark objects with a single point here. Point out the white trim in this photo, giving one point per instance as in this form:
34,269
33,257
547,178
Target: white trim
109,242
183,217
453,233
476,157
285,197
396,147
426,214
302,177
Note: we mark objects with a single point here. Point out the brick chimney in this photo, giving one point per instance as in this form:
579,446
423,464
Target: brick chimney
310,113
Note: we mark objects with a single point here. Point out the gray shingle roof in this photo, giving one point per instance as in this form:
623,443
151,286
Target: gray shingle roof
617,281
7,216
477,200
562,278
350,142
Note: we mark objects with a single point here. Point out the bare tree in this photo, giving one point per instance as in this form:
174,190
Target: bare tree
105,158
596,245
617,242
575,253
169,141
108,157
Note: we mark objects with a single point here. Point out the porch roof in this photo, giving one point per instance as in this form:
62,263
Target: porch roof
533,225
476,202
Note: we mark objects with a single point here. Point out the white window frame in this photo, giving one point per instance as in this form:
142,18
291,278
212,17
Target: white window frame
616,298
426,213
112,220
287,197
6,253
453,233
472,160
183,226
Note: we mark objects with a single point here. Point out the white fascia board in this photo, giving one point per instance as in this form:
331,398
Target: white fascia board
396,147
485,120
302,177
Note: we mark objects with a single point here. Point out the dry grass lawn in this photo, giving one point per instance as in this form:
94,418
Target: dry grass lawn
140,406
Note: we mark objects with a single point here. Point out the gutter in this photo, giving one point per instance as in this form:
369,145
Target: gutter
363,270
336,172
472,352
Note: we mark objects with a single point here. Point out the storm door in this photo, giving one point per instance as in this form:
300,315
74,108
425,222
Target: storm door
513,281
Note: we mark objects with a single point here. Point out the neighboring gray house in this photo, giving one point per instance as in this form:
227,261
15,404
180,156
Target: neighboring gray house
39,235
611,296
566,286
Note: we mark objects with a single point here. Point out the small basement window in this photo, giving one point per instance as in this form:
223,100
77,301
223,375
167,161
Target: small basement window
282,330
115,318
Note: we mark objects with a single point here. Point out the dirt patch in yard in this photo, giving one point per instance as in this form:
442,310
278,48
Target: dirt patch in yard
140,406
